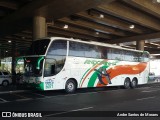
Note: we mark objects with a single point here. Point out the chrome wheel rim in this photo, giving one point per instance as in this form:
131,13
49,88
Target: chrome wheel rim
70,86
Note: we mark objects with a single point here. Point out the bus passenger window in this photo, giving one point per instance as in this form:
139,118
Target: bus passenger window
49,68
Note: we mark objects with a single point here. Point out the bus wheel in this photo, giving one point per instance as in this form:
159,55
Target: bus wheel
127,83
70,86
134,83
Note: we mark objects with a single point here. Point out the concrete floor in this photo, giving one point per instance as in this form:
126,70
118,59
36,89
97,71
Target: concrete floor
100,102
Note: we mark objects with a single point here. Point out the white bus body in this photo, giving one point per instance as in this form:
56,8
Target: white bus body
69,64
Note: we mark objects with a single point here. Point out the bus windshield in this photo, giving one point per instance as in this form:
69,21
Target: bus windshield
39,47
33,66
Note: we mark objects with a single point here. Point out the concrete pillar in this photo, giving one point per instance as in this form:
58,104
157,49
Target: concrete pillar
39,27
13,62
140,45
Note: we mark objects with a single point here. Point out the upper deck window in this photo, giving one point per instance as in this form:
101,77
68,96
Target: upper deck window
58,47
39,47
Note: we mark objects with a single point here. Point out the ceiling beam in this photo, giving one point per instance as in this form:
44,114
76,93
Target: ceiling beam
15,38
93,26
146,5
154,51
135,38
151,45
17,46
122,11
76,29
8,5
70,34
109,20
46,8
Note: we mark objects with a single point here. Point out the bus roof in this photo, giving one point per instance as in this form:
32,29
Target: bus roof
93,43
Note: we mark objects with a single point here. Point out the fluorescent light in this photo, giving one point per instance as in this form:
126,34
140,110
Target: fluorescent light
65,27
101,16
131,26
97,33
156,1
9,41
23,37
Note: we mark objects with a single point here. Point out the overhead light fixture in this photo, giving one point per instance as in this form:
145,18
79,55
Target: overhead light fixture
6,51
132,26
9,41
101,16
23,37
156,1
65,27
97,33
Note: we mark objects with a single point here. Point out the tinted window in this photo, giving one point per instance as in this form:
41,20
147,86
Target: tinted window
109,53
144,57
58,47
136,57
33,66
76,49
54,65
128,56
83,50
116,54
55,58
104,51
101,52
39,47
49,68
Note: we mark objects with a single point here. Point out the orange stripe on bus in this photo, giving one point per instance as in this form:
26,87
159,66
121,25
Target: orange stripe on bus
91,71
124,69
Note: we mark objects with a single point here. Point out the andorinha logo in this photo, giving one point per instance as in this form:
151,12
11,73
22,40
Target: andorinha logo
104,62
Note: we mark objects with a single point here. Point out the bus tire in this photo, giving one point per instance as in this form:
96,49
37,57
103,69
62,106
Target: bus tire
134,83
70,86
127,83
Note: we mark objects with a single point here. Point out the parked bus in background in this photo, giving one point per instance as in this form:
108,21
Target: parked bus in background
62,63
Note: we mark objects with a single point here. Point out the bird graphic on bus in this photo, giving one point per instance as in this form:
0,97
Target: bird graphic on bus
102,72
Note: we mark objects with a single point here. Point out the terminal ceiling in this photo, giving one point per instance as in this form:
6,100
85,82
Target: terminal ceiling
119,22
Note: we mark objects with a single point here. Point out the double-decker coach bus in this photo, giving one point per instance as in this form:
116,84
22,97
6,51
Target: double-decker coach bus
63,63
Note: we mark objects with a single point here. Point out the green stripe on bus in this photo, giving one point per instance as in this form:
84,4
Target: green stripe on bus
41,86
83,76
38,86
92,80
